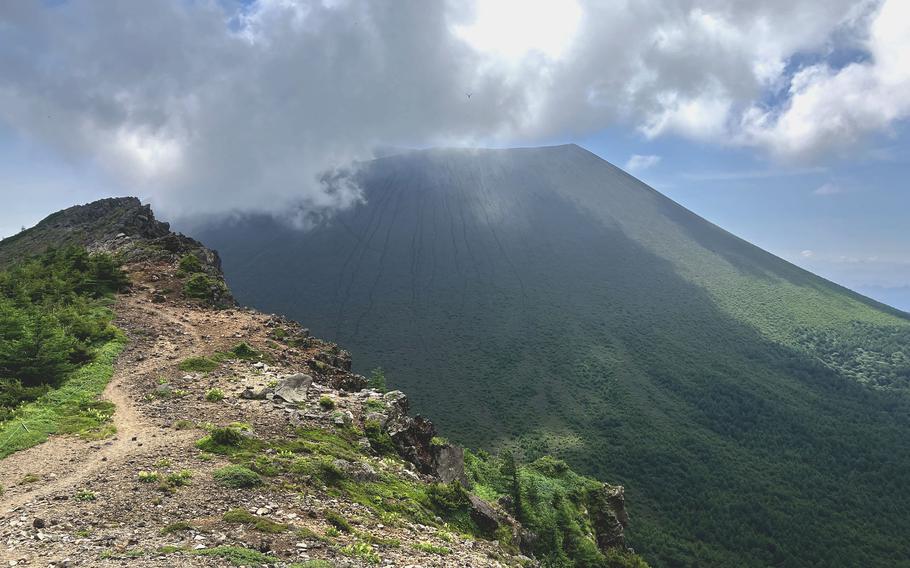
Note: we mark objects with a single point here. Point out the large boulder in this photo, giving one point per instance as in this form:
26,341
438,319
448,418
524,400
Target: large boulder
448,464
294,388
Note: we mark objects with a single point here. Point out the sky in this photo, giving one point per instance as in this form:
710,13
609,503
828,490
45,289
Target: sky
783,121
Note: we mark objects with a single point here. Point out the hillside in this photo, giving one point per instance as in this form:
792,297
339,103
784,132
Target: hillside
191,432
546,296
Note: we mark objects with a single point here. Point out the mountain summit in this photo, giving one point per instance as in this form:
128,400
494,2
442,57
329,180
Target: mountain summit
757,412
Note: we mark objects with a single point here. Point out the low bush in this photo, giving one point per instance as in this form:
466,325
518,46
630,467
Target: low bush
214,395
237,476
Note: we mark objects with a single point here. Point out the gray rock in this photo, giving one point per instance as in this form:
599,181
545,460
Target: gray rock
448,460
294,388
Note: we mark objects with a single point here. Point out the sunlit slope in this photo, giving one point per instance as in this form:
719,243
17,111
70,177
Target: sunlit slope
545,294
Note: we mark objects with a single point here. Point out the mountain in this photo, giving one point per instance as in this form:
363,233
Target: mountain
146,420
756,413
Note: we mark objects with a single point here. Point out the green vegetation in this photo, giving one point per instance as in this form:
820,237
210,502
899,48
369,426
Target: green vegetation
362,550
261,524
326,402
148,476
608,326
338,521
208,364
432,548
214,395
189,264
183,424
313,564
238,556
178,526
72,408
237,476
199,365
551,500
316,458
85,495
204,287
53,322
377,380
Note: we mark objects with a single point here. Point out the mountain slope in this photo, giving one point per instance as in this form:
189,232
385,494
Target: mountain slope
545,294
229,437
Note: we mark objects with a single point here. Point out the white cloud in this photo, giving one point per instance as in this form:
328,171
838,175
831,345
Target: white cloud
216,106
830,108
807,253
828,188
638,162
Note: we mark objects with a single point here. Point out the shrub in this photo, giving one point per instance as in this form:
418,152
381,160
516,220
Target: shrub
214,395
339,522
222,441
448,497
261,524
380,440
326,402
377,379
178,479
182,424
204,287
321,468
190,264
237,476
244,351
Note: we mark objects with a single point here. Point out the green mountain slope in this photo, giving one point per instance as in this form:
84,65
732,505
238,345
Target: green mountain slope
757,414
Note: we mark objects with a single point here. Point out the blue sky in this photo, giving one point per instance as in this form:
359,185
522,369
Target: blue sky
783,121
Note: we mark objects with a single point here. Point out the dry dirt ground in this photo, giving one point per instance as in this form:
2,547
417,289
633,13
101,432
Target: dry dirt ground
52,522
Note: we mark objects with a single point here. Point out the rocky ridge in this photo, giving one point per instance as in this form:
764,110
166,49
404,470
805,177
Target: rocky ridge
209,397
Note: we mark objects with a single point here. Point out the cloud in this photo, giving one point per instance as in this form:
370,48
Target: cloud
218,106
828,108
828,188
638,162
807,253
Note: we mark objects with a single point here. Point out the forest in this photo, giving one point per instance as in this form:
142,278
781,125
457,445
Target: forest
53,319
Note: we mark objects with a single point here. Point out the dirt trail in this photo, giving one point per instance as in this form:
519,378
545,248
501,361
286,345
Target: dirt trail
63,462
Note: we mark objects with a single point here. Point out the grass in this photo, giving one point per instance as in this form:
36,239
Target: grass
432,548
199,365
326,402
72,408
